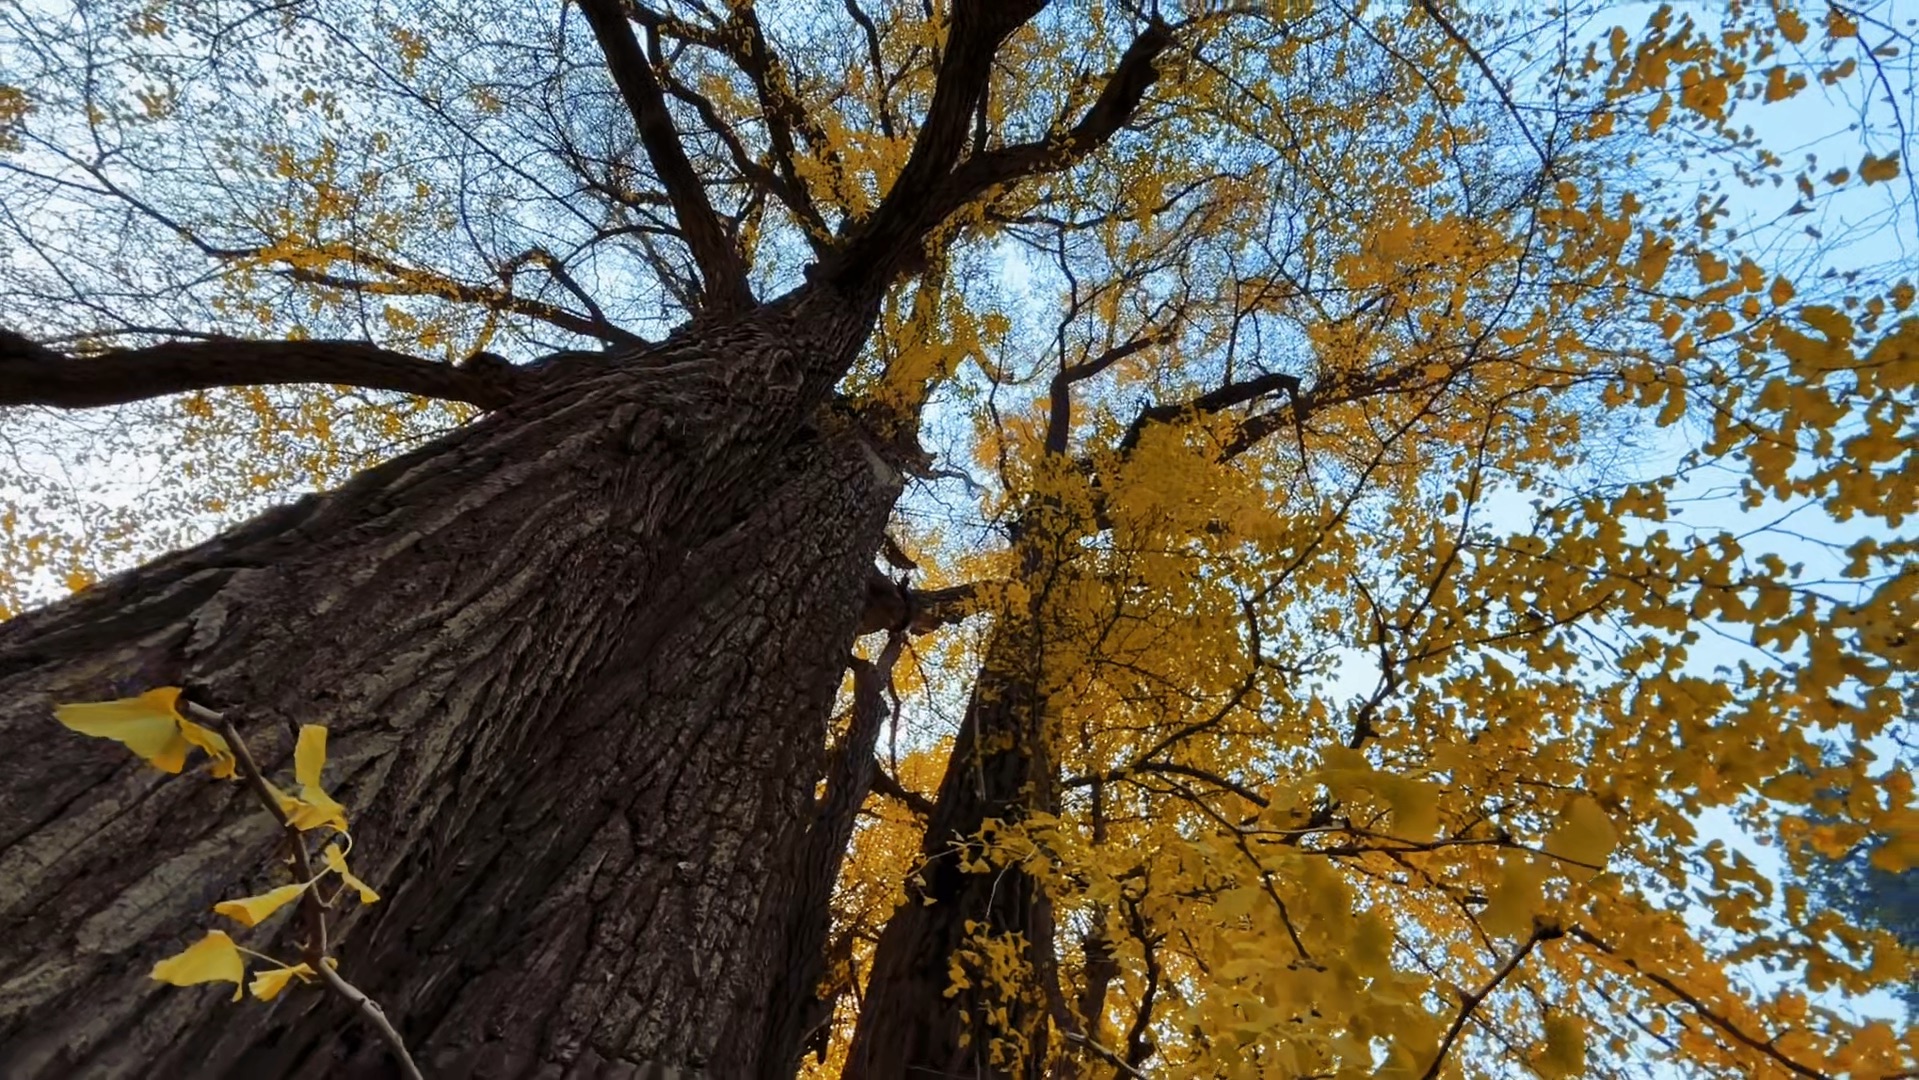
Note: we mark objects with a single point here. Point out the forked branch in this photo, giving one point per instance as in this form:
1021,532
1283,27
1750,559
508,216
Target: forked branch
880,246
722,268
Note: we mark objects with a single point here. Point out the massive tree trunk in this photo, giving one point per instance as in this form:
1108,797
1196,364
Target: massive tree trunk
576,660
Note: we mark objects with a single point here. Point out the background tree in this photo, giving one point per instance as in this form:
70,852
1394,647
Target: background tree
1268,353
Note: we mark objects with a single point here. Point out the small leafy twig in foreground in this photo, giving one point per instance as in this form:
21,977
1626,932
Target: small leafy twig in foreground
310,905
164,728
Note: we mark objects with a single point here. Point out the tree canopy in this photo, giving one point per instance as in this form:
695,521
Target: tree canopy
1402,494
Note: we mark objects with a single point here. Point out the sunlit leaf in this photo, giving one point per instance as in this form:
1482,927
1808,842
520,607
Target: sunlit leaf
1585,833
149,725
214,958
251,910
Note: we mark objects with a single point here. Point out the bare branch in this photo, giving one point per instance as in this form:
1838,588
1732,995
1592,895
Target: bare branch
890,605
784,114
401,280
885,784
1060,412
722,269
375,1016
1731,1030
1224,397
1118,100
32,374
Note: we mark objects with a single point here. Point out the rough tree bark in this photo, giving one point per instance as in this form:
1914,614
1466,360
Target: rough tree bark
576,659
998,768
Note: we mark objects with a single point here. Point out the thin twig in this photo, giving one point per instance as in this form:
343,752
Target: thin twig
1107,1054
1725,1025
310,905
376,1016
1543,930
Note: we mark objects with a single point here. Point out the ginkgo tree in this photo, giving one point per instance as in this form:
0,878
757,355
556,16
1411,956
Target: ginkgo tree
1381,506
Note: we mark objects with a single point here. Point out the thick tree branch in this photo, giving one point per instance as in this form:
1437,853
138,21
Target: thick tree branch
797,1009
885,784
1225,397
32,374
1059,418
890,605
722,269
1117,102
879,247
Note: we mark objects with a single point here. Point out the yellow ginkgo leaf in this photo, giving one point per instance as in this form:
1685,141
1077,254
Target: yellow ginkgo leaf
1873,170
305,815
215,744
1415,806
1565,1052
314,807
267,985
148,725
336,861
1585,833
213,958
309,755
251,910
1517,898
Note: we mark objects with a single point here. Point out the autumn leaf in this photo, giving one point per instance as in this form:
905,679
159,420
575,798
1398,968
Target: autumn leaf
1900,851
1565,1050
336,861
267,985
1516,898
149,725
1415,806
1873,170
224,764
214,958
251,910
313,807
1585,833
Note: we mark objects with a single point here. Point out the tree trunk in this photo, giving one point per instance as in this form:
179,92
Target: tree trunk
576,660
1000,768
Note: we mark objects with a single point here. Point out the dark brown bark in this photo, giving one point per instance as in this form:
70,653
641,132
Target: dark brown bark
32,374
575,659
799,1023
999,768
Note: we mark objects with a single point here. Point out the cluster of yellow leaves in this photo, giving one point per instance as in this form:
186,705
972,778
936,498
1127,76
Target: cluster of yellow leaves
1344,722
14,108
154,726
